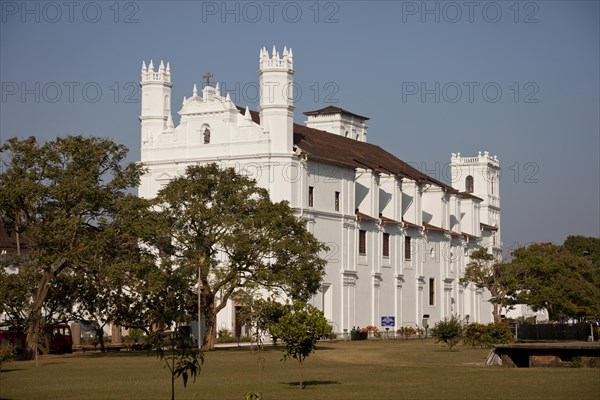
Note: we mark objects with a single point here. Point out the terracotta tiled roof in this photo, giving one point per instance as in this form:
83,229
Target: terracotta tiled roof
338,150
455,234
334,110
429,227
488,227
334,149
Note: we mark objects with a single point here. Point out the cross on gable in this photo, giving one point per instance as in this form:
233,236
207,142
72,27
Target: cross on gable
207,76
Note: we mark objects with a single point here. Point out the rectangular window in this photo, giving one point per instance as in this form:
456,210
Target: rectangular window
337,201
362,242
431,291
386,244
311,196
407,248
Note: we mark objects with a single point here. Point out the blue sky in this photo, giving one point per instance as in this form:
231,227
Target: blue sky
519,79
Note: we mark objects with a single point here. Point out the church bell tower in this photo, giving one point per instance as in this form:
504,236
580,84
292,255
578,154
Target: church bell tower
480,176
276,75
156,103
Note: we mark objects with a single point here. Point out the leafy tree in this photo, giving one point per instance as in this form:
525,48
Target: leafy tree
180,356
260,314
65,195
589,247
498,278
300,330
554,278
449,331
226,233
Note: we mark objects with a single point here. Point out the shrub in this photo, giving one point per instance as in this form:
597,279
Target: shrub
359,334
224,333
234,339
576,362
487,335
498,333
407,331
449,331
374,329
475,335
7,353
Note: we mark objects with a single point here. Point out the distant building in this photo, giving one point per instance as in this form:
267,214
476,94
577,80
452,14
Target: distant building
399,239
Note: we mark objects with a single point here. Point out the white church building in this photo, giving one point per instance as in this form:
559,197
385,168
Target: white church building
399,239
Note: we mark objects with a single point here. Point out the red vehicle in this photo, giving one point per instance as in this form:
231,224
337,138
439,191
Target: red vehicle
58,338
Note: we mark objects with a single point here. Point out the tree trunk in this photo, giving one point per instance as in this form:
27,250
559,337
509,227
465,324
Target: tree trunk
301,375
496,313
100,336
173,380
35,316
210,332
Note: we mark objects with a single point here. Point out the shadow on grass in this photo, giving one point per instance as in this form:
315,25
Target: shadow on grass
5,370
311,383
114,354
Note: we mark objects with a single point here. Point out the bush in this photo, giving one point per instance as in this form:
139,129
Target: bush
487,335
7,353
407,331
375,330
449,331
234,339
224,333
475,335
498,333
359,334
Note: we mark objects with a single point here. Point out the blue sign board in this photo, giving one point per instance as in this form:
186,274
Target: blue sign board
388,321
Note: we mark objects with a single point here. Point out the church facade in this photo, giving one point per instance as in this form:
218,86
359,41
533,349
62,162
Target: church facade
398,239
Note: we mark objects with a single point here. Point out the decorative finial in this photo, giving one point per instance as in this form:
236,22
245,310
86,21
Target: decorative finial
144,69
195,91
274,52
151,67
227,98
247,115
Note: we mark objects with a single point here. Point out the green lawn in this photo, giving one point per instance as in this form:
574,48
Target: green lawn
391,369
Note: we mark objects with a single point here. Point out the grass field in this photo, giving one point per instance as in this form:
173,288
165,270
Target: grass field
391,369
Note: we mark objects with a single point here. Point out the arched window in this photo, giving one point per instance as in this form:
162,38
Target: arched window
206,136
469,184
